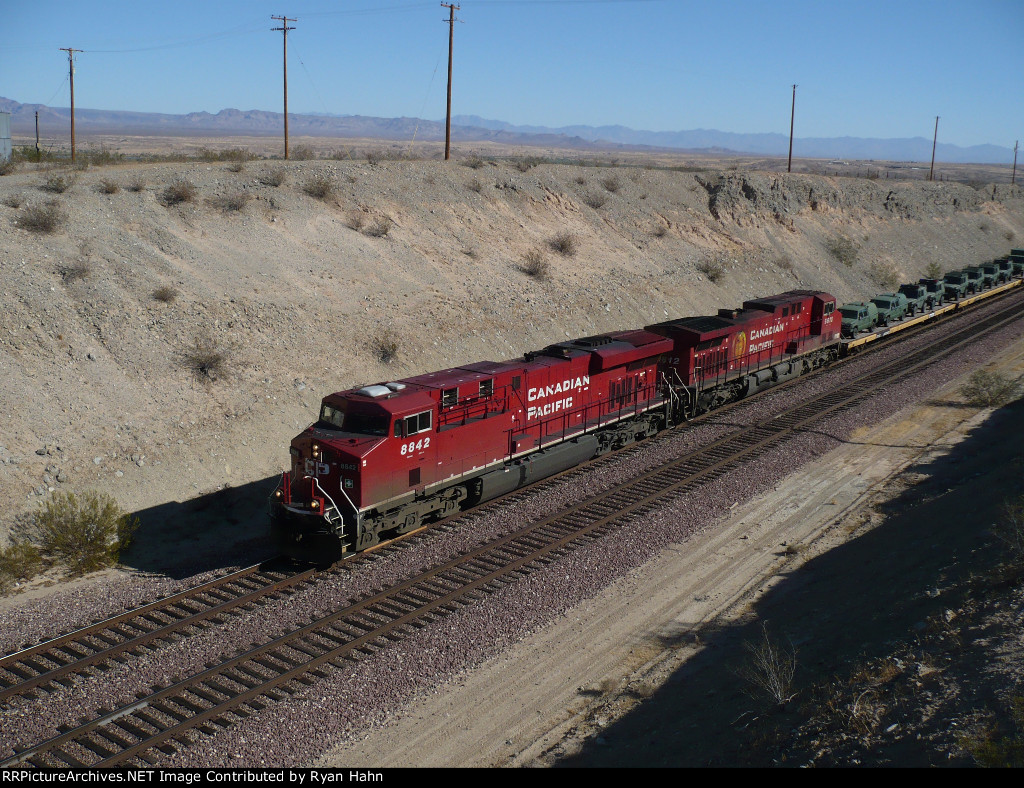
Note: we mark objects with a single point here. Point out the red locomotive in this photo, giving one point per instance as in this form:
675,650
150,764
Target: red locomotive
386,458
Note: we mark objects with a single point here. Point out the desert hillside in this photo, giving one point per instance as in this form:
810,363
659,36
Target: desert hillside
397,267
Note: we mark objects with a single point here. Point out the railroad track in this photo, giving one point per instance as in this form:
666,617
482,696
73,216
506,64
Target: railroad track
173,716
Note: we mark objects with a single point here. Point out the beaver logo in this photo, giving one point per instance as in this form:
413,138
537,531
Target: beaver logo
739,344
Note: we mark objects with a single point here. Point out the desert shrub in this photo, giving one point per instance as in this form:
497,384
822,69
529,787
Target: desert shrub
580,180
236,166
231,202
473,162
137,185
1000,747
611,184
165,294
527,164
712,269
84,533
75,272
986,389
107,186
180,191
208,359
374,156
843,250
320,187
564,243
535,264
933,271
42,218
274,177
885,275
475,185
385,346
594,200
1009,235
1010,530
784,262
659,230
58,183
7,167
770,668
379,227
103,157
18,561
302,153
14,200
356,220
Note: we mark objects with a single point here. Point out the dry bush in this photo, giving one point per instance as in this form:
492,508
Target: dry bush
659,230
356,220
14,200
18,561
986,389
85,532
319,186
771,667
75,272
181,191
385,346
475,186
208,359
933,271
1009,235
107,186
580,180
374,156
611,184
137,185
165,294
7,167
843,250
564,243
713,269
236,166
231,202
473,162
784,262
379,227
302,153
886,275
274,178
58,183
594,200
1010,530
527,164
535,264
42,218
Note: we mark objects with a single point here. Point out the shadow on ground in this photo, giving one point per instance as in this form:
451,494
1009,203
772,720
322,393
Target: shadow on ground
229,527
840,609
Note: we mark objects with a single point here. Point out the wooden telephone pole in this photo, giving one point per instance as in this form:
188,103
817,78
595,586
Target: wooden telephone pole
284,29
452,8
71,71
935,139
792,117
1013,178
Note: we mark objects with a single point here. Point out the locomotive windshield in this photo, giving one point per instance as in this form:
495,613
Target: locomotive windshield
335,418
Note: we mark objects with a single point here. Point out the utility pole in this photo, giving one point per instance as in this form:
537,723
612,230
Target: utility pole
452,8
37,134
71,70
284,30
935,139
1013,178
792,117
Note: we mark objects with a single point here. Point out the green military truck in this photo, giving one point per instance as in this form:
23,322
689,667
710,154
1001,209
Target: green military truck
936,291
857,317
957,285
891,307
918,299
977,278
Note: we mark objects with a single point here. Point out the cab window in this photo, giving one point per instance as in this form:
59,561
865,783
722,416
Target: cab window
415,424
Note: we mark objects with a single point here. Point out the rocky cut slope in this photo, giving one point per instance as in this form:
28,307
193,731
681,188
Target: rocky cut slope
160,348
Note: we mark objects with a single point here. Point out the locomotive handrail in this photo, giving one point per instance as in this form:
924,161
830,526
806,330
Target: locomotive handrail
333,504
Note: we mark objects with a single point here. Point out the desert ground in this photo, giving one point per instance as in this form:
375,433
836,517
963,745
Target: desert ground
402,266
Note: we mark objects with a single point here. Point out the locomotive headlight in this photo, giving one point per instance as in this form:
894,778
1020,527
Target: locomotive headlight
314,505
277,493
316,450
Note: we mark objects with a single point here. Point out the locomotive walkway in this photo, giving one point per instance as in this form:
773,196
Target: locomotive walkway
172,716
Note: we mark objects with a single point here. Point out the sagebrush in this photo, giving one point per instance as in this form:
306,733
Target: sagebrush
83,532
535,264
564,243
985,389
45,218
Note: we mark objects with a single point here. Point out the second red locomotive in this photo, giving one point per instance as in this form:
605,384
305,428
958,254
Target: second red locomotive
388,457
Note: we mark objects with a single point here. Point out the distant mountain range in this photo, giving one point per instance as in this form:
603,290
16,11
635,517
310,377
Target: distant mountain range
470,128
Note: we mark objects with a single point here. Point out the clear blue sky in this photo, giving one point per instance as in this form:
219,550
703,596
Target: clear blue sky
865,68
